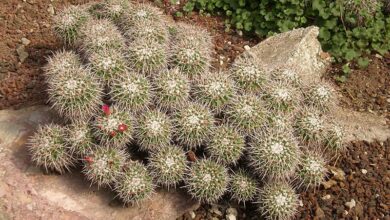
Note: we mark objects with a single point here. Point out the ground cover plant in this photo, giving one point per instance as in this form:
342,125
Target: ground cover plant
134,81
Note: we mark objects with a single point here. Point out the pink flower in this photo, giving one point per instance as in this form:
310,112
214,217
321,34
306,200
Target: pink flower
122,127
106,109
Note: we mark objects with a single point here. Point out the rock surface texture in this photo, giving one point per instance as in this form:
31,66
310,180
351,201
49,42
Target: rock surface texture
26,192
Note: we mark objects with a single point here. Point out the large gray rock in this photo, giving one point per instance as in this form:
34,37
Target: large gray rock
27,193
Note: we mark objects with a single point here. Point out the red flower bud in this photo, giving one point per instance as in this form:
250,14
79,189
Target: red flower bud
88,159
106,109
122,127
113,133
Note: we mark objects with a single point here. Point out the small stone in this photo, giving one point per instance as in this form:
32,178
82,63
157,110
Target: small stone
30,207
25,41
50,9
215,210
351,204
338,173
246,47
319,213
21,51
230,217
232,211
300,203
364,171
229,42
326,197
378,56
192,214
329,184
388,100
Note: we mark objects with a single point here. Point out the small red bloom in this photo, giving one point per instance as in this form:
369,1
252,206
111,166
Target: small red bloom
106,109
113,133
122,127
88,159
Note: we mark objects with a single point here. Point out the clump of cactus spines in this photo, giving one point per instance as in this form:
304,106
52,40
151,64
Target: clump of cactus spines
207,180
274,156
75,93
278,200
287,75
79,138
147,56
334,137
148,30
153,130
312,170
243,187
49,149
282,97
226,145
67,23
310,126
215,90
168,165
104,164
107,64
320,96
246,113
113,9
113,126
60,62
194,124
249,76
131,91
134,184
172,89
141,13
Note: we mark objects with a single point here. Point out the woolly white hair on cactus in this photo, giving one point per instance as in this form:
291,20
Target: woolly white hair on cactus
48,148
131,91
321,96
246,113
104,165
149,30
334,137
207,180
61,61
141,13
79,138
107,64
287,75
312,170
153,130
172,89
113,126
100,34
68,22
275,156
310,126
242,187
75,93
215,90
281,96
249,76
135,183
279,121
194,124
226,145
168,165
278,200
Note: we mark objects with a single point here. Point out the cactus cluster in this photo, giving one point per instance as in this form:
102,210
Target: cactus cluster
144,88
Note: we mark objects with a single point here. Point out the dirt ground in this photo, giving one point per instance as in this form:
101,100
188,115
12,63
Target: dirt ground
22,84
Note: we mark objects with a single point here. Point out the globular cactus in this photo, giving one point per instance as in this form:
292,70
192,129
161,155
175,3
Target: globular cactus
141,13
148,30
75,93
172,89
168,165
107,64
100,34
194,125
309,126
246,113
287,75
79,138
243,187
131,91
48,149
281,96
320,96
104,164
278,200
60,62
279,121
207,180
113,126
134,184
112,9
334,138
215,90
275,156
153,130
249,76
226,145
312,170
68,22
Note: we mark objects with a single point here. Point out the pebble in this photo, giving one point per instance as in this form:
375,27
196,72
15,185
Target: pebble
338,173
25,41
192,214
215,210
232,211
351,204
21,51
329,184
230,217
364,171
246,47
326,197
50,9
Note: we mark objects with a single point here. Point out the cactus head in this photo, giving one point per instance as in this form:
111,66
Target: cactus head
311,171
282,97
75,93
168,165
141,13
112,9
79,139
113,126
207,180
334,138
243,187
154,130
48,148
148,30
134,184
131,91
215,90
321,96
172,89
275,156
194,124
226,145
310,126
246,113
286,75
104,164
107,64
278,200
68,22
61,62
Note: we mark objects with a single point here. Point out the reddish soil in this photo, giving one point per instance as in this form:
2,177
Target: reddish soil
22,84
